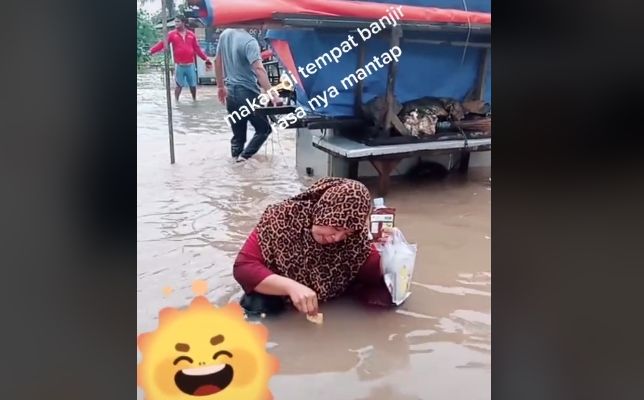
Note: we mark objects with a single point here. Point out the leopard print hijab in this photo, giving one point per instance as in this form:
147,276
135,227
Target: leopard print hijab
288,246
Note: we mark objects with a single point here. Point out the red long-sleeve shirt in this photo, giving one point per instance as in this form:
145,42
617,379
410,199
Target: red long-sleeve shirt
183,48
250,269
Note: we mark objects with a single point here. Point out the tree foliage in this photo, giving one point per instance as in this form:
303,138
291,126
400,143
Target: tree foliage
146,35
171,10
183,9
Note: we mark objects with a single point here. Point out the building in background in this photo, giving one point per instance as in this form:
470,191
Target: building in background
208,42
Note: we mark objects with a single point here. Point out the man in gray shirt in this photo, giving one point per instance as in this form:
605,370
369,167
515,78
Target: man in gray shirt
238,69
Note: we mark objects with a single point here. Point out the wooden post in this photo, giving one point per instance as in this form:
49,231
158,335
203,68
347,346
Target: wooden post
353,169
479,90
166,57
464,163
359,88
475,94
384,168
396,33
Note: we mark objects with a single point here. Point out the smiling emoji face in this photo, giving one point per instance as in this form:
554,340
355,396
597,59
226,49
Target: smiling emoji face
206,353
205,379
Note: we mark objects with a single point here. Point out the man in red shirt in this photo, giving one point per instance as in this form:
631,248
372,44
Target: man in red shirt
184,47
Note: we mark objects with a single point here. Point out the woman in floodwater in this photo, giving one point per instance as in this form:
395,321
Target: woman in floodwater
311,248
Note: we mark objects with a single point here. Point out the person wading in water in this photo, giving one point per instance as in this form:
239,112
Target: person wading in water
184,47
238,70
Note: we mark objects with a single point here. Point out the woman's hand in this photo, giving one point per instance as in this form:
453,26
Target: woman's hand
303,298
384,234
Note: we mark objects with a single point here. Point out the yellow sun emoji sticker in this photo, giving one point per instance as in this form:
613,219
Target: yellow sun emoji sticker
206,353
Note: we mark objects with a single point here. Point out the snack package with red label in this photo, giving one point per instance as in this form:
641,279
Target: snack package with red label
381,217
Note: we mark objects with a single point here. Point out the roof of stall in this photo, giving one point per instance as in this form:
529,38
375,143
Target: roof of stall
223,13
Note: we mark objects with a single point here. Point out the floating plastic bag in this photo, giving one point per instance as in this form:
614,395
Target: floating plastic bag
397,259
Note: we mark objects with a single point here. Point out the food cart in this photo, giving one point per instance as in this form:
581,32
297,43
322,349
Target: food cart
445,63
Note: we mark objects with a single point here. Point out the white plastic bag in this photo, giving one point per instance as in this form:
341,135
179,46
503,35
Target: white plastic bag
397,259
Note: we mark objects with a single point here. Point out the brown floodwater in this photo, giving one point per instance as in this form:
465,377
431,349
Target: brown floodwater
192,218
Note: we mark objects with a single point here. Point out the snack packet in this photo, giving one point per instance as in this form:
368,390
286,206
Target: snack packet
397,259
381,217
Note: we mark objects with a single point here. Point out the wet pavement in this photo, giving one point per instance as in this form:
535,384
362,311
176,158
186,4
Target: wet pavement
192,218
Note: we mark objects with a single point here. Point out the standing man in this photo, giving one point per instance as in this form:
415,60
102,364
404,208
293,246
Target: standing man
238,69
184,47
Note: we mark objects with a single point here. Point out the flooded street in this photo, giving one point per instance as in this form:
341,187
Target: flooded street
193,217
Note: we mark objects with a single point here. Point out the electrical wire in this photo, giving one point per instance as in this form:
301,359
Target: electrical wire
469,31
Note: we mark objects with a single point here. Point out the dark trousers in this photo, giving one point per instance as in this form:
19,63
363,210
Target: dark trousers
236,99
257,304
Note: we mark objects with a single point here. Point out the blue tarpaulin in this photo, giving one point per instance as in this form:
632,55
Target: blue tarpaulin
424,70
